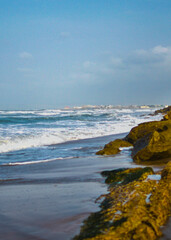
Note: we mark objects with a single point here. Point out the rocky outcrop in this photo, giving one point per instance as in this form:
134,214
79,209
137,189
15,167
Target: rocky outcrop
167,116
154,146
151,141
113,147
163,111
139,201
144,129
138,204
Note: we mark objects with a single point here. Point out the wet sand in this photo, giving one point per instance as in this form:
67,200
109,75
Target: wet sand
51,200
166,230
43,211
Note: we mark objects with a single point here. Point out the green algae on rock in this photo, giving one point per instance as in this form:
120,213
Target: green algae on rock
134,210
154,146
124,175
144,129
113,147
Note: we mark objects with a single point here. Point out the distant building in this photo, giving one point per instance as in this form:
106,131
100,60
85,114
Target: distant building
144,106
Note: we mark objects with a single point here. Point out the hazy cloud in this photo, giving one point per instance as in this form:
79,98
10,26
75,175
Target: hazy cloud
25,70
25,55
151,56
89,65
64,35
160,49
117,62
146,65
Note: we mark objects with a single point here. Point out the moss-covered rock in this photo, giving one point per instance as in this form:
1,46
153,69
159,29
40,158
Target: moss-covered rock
151,140
163,110
113,147
144,129
167,116
124,175
153,147
135,210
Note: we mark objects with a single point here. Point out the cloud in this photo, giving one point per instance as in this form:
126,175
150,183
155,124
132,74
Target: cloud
151,56
64,35
89,64
25,70
117,62
151,61
140,65
142,77
25,55
160,50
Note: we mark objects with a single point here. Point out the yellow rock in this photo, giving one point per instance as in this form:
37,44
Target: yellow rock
113,147
134,210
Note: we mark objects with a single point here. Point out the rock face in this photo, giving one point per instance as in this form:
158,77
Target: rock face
113,147
151,141
154,146
138,203
144,129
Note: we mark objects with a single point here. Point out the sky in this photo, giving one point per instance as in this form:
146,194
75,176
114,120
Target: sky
57,53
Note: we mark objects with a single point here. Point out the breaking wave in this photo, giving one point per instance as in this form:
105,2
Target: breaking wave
33,129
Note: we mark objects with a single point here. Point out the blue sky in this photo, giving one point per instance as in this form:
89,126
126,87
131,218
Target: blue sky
57,53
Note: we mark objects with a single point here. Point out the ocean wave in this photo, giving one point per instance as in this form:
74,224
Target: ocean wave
16,112
35,131
36,162
25,141
52,118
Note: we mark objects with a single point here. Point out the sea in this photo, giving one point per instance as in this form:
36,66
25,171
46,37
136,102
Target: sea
28,137
50,177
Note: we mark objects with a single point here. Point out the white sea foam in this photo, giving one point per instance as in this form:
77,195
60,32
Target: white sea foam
95,123
49,112
148,198
24,142
125,148
36,162
16,112
155,177
124,110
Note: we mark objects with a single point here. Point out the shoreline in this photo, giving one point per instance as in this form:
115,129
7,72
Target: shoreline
133,208
96,142
50,200
63,191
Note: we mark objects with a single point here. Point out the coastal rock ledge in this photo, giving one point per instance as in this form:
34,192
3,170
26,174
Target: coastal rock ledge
137,205
114,147
151,141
